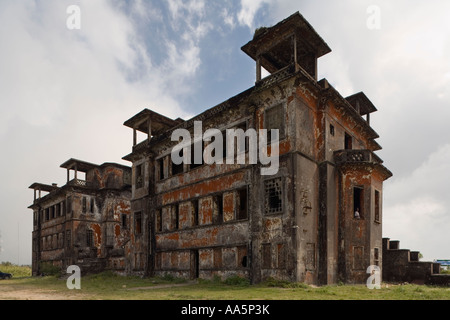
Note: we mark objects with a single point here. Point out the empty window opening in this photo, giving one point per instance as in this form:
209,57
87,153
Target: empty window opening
84,206
89,238
177,168
243,204
92,204
177,217
218,200
358,201
47,214
58,210
244,262
195,264
273,196
161,169
195,212
124,220
138,223
331,129
348,141
377,206
242,256
376,256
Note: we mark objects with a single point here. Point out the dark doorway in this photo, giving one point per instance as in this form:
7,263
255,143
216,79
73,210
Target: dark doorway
358,202
195,264
348,142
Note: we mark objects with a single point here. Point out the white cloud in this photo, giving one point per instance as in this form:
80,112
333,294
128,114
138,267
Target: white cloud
249,8
228,17
417,207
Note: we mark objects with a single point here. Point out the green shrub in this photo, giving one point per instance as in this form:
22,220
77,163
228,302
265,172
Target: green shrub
237,281
48,269
271,282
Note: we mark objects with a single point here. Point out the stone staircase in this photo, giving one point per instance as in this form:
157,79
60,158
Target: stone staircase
403,265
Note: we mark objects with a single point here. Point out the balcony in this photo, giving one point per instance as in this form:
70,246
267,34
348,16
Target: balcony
356,156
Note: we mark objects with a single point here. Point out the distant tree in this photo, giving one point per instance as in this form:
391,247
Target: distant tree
420,255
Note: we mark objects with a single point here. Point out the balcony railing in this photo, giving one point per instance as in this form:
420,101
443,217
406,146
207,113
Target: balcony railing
79,183
355,156
141,146
276,76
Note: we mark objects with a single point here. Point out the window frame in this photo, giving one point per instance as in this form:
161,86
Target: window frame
268,210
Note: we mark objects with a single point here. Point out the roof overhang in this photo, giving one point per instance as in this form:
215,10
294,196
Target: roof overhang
43,187
360,101
159,123
79,165
272,44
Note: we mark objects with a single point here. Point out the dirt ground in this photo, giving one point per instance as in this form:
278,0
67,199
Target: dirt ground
27,294
18,293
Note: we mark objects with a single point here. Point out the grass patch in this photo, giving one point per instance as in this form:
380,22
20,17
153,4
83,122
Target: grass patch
110,286
16,270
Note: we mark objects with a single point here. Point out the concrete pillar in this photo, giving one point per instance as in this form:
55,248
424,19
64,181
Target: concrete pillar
258,69
294,39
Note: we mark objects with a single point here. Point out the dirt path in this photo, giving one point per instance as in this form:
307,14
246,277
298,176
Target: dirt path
27,294
20,293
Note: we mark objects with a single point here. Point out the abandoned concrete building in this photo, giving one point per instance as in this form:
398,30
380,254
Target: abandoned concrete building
86,221
205,220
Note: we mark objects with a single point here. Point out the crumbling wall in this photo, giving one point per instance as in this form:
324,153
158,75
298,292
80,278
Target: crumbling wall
403,265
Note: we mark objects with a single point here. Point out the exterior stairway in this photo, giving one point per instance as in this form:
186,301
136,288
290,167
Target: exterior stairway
403,265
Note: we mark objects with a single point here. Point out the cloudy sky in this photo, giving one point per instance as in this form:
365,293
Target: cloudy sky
65,93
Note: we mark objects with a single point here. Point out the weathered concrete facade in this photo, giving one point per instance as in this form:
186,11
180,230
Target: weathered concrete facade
86,221
207,220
